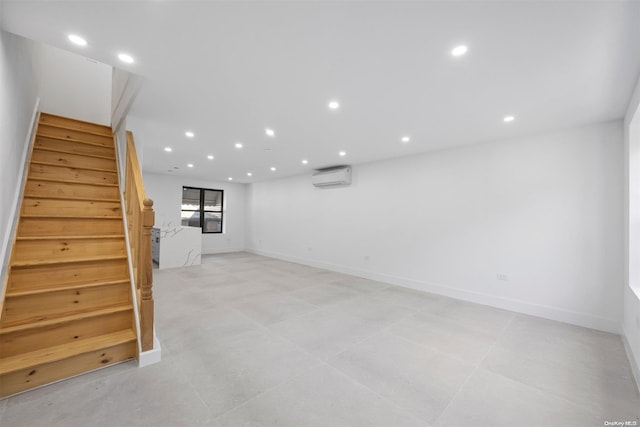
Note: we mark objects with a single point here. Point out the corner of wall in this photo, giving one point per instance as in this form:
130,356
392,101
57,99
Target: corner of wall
635,367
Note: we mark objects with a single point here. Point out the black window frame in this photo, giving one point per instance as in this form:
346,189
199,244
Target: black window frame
202,210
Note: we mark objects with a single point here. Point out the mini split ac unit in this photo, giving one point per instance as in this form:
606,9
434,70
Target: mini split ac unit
329,177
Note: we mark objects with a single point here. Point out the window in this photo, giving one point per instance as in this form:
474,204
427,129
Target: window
203,208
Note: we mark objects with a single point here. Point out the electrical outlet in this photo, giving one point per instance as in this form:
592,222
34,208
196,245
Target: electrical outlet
367,257
502,276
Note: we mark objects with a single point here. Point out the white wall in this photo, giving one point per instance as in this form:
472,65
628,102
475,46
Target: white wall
166,193
124,89
631,325
17,106
546,211
73,86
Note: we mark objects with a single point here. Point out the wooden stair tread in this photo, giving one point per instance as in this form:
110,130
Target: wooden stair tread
75,129
64,287
65,261
35,162
96,236
79,141
65,319
64,351
47,118
73,181
71,216
87,199
57,150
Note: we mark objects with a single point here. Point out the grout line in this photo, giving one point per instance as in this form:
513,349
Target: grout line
477,367
386,399
246,402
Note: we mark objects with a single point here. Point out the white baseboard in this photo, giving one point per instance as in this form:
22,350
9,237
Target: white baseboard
632,359
221,251
152,356
547,312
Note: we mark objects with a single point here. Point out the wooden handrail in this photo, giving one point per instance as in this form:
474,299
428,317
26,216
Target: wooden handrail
140,220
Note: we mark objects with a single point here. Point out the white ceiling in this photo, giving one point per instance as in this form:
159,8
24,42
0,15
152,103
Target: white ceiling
227,70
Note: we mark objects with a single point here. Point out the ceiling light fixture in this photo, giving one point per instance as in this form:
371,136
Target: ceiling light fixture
168,149
238,145
189,134
125,58
273,169
190,165
77,40
334,105
230,179
249,174
210,157
508,119
405,139
459,50
305,161
342,153
270,132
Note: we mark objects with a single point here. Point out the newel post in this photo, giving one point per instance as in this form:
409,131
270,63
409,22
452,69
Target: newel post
146,265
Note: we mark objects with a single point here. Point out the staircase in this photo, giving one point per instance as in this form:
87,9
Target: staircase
68,307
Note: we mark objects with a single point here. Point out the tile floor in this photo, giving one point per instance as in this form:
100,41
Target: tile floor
254,341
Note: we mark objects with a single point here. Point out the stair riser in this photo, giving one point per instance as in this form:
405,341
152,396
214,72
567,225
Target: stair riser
37,338
71,174
49,276
63,189
25,379
72,160
72,146
50,131
50,305
60,249
69,227
76,208
68,123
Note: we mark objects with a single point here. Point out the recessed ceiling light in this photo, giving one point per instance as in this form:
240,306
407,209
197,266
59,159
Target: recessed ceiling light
238,145
405,139
459,50
190,165
342,153
210,157
508,119
304,162
334,105
269,132
230,179
189,134
273,169
77,40
168,149
125,58
249,174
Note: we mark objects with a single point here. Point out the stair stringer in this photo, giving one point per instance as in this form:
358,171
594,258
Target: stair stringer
14,215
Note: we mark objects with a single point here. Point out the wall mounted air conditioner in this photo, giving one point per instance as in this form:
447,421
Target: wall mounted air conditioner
330,177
